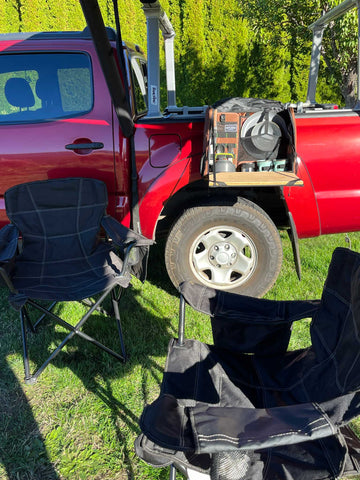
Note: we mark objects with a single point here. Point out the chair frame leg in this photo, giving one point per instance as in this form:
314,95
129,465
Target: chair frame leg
40,319
180,343
181,329
88,303
74,330
24,320
115,302
172,475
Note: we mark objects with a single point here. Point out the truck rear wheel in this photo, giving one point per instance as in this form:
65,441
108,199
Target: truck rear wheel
233,248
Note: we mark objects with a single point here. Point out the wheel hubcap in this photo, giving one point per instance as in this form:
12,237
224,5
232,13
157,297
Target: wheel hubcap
222,254
223,257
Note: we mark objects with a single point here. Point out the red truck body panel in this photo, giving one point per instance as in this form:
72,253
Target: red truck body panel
36,151
328,144
168,160
168,155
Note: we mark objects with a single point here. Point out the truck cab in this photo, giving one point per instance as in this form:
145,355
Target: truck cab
56,115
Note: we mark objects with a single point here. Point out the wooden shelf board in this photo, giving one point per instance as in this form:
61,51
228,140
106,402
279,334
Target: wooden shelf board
255,179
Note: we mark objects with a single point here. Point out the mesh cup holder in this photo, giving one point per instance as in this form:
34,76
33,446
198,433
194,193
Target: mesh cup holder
233,465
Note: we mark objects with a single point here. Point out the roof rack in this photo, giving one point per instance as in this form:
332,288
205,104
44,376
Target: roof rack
156,19
318,28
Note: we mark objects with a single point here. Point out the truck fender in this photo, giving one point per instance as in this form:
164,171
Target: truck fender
169,181
302,203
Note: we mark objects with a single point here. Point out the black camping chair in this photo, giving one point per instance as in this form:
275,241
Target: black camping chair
246,408
63,257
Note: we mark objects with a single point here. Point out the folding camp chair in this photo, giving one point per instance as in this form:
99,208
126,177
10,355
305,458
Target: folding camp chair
246,408
63,258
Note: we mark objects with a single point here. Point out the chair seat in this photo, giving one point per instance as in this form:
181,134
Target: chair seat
68,279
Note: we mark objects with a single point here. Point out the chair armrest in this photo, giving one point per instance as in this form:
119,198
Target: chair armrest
121,235
8,243
8,246
217,303
219,428
210,429
126,239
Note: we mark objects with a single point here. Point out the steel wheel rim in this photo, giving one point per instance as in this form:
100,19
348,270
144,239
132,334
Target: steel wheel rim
223,257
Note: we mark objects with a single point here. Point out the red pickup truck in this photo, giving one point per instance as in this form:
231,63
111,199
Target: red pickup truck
58,119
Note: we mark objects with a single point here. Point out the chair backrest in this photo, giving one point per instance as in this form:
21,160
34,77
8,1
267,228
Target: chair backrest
58,219
335,329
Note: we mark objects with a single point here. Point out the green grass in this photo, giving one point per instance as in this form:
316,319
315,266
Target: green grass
80,420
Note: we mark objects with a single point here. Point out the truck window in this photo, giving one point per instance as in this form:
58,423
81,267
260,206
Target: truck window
44,86
139,77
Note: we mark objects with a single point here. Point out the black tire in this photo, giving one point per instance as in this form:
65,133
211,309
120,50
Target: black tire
233,248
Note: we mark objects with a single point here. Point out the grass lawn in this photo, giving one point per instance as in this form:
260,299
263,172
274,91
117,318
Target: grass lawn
80,420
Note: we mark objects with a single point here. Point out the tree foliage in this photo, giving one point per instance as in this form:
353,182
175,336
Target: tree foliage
286,22
217,54
234,48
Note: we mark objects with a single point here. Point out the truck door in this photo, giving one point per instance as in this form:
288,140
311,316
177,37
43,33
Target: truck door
55,117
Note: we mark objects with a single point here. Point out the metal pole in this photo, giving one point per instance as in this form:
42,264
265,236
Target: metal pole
181,321
333,14
153,45
170,69
172,473
314,64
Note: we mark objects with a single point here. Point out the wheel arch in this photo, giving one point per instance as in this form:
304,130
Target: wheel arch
269,199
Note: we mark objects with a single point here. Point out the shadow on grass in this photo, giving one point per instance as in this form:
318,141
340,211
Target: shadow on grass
147,331
23,453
